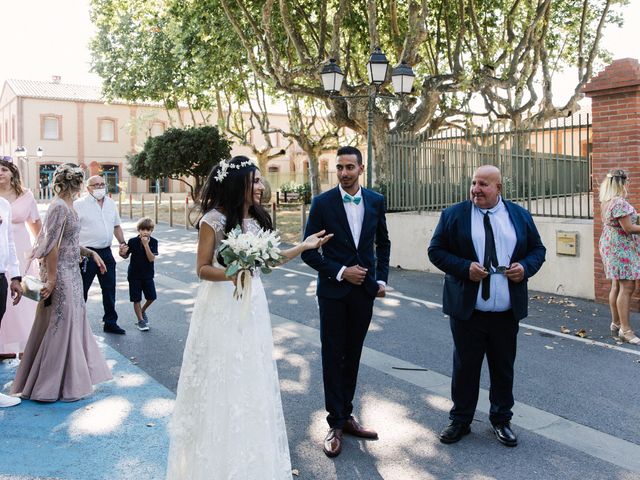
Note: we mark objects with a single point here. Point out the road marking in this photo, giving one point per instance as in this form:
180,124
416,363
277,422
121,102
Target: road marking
590,441
433,305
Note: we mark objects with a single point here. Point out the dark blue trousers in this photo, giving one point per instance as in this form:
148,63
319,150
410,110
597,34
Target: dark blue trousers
490,334
107,283
343,327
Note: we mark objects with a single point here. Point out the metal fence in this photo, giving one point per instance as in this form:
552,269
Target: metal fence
546,170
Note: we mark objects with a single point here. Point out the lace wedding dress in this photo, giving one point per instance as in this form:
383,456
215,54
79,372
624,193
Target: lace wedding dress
228,422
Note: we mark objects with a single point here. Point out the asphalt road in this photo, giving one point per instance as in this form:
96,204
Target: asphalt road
577,414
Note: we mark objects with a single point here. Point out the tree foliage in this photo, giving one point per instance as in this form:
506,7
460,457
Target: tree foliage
472,58
495,59
179,154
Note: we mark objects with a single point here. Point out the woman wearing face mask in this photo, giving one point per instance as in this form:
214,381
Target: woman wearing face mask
62,360
18,319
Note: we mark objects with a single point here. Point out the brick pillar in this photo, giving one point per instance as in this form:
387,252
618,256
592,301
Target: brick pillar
615,97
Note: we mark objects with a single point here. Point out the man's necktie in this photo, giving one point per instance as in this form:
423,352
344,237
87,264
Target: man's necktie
490,256
348,198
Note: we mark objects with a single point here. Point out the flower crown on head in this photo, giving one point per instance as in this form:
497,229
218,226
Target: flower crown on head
225,165
69,171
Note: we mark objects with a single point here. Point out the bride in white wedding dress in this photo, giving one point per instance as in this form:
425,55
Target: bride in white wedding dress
227,422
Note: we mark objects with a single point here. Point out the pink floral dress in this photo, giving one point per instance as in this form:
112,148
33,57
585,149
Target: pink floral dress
620,251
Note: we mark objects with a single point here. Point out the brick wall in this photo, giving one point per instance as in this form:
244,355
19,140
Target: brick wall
615,96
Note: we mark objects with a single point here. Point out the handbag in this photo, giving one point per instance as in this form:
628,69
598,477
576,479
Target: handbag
32,285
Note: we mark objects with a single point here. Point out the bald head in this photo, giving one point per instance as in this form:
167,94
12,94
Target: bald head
486,186
95,179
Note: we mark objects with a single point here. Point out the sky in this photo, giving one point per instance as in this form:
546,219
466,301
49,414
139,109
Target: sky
42,38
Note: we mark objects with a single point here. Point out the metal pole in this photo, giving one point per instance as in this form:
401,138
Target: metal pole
303,219
170,211
369,142
155,209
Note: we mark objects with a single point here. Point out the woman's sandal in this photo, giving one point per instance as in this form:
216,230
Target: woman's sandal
615,330
629,337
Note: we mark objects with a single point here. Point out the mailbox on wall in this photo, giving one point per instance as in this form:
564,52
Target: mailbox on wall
567,243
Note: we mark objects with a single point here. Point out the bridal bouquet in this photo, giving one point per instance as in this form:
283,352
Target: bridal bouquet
242,253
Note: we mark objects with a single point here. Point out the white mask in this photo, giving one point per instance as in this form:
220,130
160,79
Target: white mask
99,193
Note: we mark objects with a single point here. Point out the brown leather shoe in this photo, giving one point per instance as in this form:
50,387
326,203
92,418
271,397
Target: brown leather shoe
354,428
333,443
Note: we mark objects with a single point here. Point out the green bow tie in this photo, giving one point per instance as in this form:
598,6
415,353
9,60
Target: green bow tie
348,198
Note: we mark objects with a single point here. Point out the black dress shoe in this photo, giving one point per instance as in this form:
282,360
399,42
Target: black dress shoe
454,432
113,328
505,435
333,443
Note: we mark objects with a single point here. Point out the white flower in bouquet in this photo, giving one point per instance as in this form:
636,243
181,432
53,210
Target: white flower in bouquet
250,251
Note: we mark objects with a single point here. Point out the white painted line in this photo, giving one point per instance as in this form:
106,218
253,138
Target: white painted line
432,305
590,441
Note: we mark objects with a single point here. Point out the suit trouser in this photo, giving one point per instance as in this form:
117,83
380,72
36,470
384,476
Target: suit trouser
107,282
343,327
4,287
493,334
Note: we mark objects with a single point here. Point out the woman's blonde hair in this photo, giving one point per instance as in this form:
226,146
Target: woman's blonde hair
16,183
67,179
613,185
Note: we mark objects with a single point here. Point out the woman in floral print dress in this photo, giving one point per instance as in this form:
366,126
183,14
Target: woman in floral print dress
620,251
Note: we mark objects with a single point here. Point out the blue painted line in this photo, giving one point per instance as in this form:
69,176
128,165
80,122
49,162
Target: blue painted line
118,433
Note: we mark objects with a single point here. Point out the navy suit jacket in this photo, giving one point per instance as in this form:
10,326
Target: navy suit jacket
372,252
451,250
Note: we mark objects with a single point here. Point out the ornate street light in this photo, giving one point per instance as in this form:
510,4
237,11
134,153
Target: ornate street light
332,77
402,78
377,67
21,152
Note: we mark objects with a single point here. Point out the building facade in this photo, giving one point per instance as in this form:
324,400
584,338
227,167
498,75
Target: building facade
54,123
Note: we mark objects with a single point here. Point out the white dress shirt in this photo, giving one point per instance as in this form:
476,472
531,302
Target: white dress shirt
96,222
9,264
355,217
504,235
355,214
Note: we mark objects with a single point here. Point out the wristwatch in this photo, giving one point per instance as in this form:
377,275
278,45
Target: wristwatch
18,278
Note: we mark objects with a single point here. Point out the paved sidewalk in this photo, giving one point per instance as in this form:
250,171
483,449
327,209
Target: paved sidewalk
120,432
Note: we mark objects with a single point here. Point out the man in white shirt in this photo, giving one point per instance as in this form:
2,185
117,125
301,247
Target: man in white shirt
488,247
9,267
99,222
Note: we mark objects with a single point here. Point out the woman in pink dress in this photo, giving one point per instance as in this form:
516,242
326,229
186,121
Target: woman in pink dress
62,360
18,319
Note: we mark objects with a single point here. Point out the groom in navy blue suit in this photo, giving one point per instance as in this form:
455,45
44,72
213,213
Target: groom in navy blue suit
488,247
352,270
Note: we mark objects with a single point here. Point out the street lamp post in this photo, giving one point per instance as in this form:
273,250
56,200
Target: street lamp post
21,152
402,78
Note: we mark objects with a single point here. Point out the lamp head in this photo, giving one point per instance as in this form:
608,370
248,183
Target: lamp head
402,78
332,77
377,67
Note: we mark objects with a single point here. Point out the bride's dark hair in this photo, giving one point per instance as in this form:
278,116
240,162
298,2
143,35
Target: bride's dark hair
225,190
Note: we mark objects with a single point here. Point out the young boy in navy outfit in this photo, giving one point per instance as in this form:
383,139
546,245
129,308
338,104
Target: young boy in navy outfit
143,250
